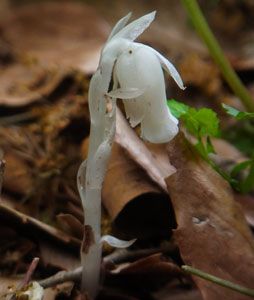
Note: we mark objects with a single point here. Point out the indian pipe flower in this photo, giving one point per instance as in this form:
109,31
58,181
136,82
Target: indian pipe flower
136,72
139,79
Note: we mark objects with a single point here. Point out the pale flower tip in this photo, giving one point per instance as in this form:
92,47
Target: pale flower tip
162,134
153,13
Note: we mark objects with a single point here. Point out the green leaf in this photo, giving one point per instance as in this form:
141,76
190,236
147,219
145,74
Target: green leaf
177,108
202,150
199,122
248,183
202,122
240,167
209,146
239,115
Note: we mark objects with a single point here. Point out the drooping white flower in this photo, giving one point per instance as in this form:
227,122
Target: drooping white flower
138,74
139,67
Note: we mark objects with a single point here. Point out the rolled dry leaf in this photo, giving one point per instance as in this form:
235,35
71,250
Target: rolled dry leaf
136,204
211,233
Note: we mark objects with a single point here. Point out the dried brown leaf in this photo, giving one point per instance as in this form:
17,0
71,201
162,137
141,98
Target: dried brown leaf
58,257
247,203
212,234
128,191
64,34
48,40
71,224
153,162
17,177
150,271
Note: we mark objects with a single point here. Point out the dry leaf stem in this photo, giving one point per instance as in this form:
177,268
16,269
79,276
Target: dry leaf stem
225,283
216,52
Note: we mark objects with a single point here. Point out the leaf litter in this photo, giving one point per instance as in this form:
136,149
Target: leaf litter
44,134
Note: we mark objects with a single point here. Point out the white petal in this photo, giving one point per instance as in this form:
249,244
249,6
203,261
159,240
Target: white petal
115,242
119,25
127,70
136,28
159,130
135,110
126,93
169,67
138,66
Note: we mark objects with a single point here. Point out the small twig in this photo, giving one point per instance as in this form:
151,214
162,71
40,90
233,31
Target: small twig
61,277
123,255
29,272
26,116
118,256
219,281
216,52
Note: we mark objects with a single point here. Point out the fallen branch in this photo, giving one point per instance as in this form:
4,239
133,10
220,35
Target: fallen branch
60,277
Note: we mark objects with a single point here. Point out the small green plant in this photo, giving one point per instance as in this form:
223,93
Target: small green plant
239,115
247,184
203,124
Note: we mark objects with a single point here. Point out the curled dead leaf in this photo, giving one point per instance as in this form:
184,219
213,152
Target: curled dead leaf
138,206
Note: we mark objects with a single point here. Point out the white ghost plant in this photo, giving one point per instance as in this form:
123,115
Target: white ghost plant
136,72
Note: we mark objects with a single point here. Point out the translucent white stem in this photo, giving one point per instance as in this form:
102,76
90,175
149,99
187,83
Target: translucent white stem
90,178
